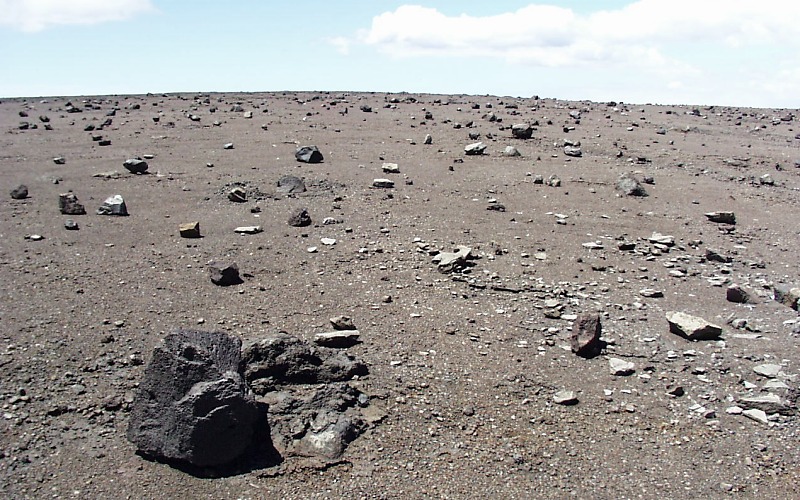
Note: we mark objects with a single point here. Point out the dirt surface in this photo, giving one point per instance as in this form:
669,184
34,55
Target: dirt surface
463,366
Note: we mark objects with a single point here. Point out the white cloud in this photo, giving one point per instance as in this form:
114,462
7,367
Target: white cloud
669,41
37,15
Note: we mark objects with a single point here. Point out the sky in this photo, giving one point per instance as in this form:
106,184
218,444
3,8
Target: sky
698,52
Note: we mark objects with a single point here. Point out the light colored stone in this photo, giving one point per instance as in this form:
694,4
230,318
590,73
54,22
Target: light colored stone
692,327
620,367
248,229
757,415
565,398
768,370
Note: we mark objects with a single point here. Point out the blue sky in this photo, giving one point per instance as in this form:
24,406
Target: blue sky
729,52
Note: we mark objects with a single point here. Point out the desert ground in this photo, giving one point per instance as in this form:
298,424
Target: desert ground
473,389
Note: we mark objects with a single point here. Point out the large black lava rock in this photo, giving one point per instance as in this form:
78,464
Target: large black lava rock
193,405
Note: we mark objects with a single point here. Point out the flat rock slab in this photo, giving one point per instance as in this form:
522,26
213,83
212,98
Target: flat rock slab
290,184
566,398
620,367
477,148
248,229
692,327
338,338
383,183
768,370
721,217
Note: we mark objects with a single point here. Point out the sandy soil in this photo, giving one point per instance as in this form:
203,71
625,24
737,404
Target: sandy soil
464,366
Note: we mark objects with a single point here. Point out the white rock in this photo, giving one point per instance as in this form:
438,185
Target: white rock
757,415
328,241
768,370
248,229
620,367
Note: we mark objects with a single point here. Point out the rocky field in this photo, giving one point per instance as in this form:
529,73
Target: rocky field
363,295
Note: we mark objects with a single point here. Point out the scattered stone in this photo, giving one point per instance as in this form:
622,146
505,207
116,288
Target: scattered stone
448,262
737,294
662,239
328,241
651,293
428,139
383,183
308,154
766,180
280,358
342,322
757,415
477,148
715,256
300,218
769,370
522,131
20,192
290,184
620,367
59,160
768,403
341,339
566,398
193,405
573,151
34,237
511,151
692,327
365,108
228,145
554,181
189,230
586,333
135,166
629,186
787,296
248,229
722,217
224,274
390,168
114,205
68,205
71,225
238,195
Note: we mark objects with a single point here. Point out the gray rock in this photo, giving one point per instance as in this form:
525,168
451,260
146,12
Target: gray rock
768,403
715,256
391,168
228,145
71,225
342,322
757,415
554,181
769,370
248,229
114,205
189,230
224,274
721,217
68,205
573,151
290,184
692,327
511,151
383,183
522,131
737,294
787,296
237,195
629,186
428,139
477,148
651,293
281,359
448,262
662,239
338,338
135,166
20,192
193,405
59,160
585,336
766,180
620,367
566,398
308,154
300,218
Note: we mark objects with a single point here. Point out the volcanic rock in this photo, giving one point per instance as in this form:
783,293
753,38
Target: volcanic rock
308,154
737,294
721,217
135,166
300,218
448,262
629,186
189,230
237,195
476,148
586,333
280,359
193,405
522,131
692,327
68,205
224,274
20,192
114,205
290,184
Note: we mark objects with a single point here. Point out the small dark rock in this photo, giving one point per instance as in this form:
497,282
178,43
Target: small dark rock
308,154
300,218
20,192
68,205
586,333
224,274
